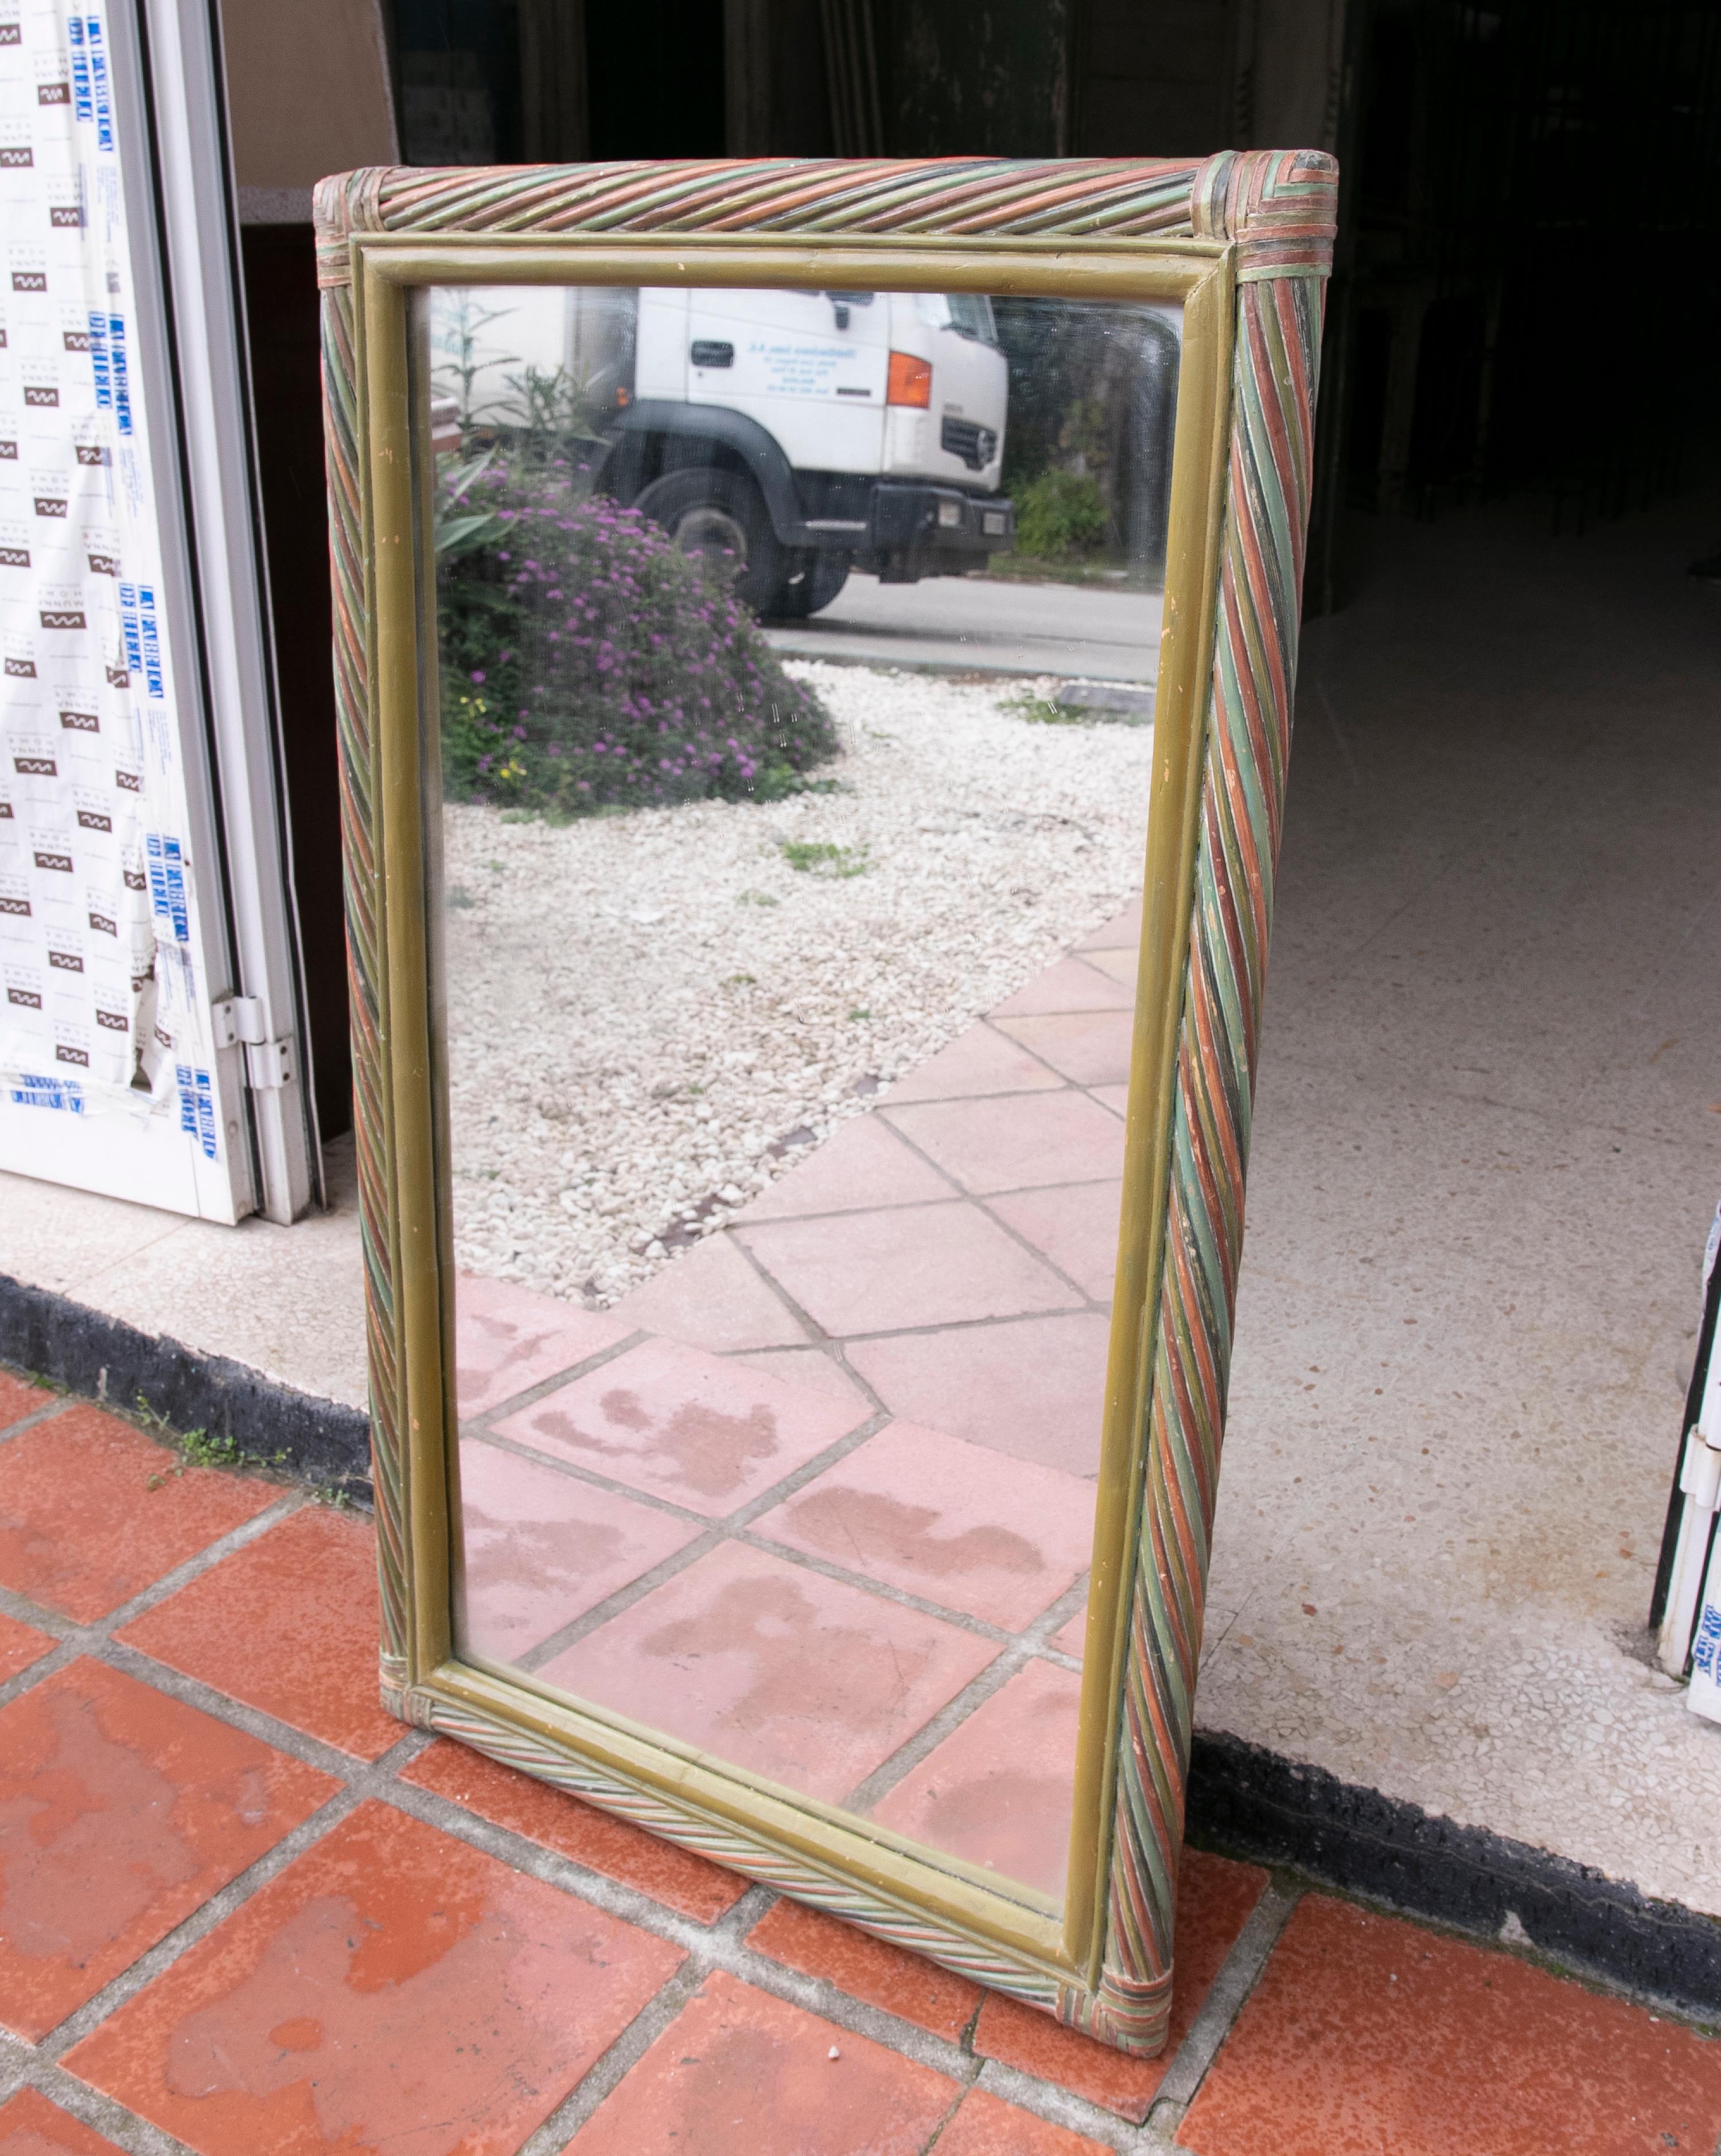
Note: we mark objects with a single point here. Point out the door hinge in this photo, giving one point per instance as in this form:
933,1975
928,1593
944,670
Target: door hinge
239,1022
269,1064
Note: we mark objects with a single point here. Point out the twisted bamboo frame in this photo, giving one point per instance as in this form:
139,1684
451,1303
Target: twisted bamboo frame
1266,218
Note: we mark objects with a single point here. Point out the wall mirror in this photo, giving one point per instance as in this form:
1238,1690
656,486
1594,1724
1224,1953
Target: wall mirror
814,646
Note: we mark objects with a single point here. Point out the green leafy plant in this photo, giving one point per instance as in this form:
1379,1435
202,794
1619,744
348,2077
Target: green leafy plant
1059,517
820,857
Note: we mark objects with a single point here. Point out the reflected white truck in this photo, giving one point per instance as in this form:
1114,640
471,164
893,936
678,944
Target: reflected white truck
799,433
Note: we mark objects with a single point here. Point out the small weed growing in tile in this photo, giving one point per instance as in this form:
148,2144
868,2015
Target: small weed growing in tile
755,898
820,857
460,898
860,1014
198,1448
739,980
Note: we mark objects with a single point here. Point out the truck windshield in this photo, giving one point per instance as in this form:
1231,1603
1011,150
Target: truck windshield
971,312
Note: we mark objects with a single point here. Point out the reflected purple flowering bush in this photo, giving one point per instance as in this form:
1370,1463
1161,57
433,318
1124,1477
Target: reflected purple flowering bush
587,662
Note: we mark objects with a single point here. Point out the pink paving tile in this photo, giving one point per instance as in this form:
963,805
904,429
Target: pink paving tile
742,2074
1121,965
863,1165
31,2126
682,1425
1121,930
1075,1226
917,1265
1072,1639
1020,1141
1034,1388
996,1538
811,1366
998,1791
541,1548
508,1338
980,1060
711,1297
1070,985
1114,1098
1089,1047
772,1667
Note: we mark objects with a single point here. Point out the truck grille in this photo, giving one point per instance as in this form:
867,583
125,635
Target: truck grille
967,438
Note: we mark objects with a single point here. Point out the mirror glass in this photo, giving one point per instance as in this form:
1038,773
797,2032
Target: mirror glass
788,801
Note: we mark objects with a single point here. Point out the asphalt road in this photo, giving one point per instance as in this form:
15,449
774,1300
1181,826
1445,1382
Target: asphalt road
971,624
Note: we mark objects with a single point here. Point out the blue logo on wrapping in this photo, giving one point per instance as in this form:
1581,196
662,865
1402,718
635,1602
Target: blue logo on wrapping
167,883
32,1091
122,381
152,639
99,361
1708,1643
197,1108
82,105
99,84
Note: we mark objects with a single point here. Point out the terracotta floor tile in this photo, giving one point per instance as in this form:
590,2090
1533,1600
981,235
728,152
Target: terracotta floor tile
393,1988
994,1537
1090,1048
742,2074
861,1166
980,1060
686,1425
508,1338
540,1549
886,1976
986,2126
577,1830
1072,985
122,1810
1075,1227
1034,1388
21,1645
1122,929
811,1367
1214,1899
772,1667
1072,1639
1366,2033
81,1528
1122,964
31,2126
711,1297
917,1265
19,1398
1018,1141
998,1790
288,1624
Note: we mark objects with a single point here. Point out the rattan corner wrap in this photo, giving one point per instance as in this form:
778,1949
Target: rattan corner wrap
1275,209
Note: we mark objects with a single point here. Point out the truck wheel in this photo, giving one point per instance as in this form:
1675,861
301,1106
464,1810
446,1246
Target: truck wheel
816,588
721,515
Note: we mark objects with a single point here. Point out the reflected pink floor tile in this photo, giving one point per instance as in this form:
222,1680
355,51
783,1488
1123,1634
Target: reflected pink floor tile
861,1166
1122,929
1000,1789
916,1264
801,1678
711,1297
1090,1048
1020,1141
705,1432
1114,1098
1122,964
1075,1226
1035,1388
509,1339
997,1538
1072,1639
541,1548
813,1367
981,1061
1073,984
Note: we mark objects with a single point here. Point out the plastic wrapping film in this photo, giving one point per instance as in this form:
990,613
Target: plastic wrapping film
104,1012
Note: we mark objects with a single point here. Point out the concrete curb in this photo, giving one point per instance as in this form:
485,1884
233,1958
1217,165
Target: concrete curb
50,1337
1243,1800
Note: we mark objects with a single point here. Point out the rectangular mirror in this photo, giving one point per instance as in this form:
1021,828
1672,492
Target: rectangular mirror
793,696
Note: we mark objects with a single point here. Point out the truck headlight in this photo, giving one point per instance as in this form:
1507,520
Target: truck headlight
949,513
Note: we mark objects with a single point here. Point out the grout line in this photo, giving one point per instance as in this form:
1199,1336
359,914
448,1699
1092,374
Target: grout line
1062,2107
102,2113
40,1415
517,1403
1238,1975
607,2073
913,1750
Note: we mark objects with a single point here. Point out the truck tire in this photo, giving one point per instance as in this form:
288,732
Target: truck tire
722,515
825,574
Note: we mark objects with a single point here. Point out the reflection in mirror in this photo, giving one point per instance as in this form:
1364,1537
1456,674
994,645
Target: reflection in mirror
797,670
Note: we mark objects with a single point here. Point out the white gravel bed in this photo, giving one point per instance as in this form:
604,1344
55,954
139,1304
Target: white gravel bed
643,1007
